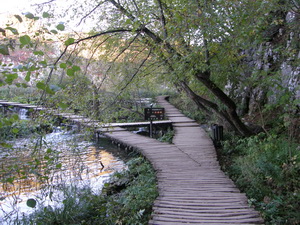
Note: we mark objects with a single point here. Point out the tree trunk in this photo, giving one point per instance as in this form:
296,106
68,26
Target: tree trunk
231,106
201,102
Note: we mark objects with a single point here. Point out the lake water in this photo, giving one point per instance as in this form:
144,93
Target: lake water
41,168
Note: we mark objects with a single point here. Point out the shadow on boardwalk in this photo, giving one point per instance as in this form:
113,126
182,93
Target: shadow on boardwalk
192,188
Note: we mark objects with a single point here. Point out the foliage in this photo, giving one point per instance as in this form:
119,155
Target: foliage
127,199
212,51
11,127
188,108
22,95
167,136
266,168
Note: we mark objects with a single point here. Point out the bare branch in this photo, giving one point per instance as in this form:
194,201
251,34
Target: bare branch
93,10
120,30
51,71
144,29
94,51
136,6
128,82
123,50
163,19
137,71
75,43
44,3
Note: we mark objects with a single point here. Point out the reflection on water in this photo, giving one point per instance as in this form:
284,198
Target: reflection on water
41,167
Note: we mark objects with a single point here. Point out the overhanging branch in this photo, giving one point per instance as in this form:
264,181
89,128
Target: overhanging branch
120,30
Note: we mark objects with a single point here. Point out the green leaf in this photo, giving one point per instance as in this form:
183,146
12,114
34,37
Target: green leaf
49,90
27,78
15,130
44,62
13,30
24,85
10,180
4,50
46,15
63,65
25,40
31,203
60,27
38,53
58,166
5,145
41,85
11,77
15,118
29,15
69,41
54,31
19,18
63,105
76,68
3,32
70,72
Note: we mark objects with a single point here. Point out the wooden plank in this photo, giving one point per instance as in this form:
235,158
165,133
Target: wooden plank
192,187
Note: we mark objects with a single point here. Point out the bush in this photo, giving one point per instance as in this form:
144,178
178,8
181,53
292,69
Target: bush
267,168
11,127
127,199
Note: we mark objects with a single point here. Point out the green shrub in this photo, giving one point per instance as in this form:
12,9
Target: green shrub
168,136
267,168
127,199
11,127
188,108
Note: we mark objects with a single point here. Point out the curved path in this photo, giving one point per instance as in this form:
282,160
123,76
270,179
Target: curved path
192,188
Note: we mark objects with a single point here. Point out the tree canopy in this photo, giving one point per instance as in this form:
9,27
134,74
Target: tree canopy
222,54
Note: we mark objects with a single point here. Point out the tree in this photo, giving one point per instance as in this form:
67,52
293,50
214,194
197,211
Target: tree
197,45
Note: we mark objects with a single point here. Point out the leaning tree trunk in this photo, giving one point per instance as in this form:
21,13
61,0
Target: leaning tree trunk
204,103
228,102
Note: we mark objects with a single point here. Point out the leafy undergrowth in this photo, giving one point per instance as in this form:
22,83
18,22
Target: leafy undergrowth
12,127
168,136
266,168
127,199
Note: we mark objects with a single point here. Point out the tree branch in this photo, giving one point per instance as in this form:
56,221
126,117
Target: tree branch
119,30
94,51
163,19
128,82
44,3
75,43
123,50
93,10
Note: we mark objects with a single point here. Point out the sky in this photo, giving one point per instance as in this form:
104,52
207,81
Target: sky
9,8
15,6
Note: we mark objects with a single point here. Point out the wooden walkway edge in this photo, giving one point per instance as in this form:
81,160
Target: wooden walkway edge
192,187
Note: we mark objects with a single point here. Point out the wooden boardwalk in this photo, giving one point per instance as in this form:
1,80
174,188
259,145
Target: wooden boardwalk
84,121
192,188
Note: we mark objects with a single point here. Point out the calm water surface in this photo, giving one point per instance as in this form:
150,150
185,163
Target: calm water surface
41,168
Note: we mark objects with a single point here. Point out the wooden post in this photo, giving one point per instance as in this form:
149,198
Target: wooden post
151,129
